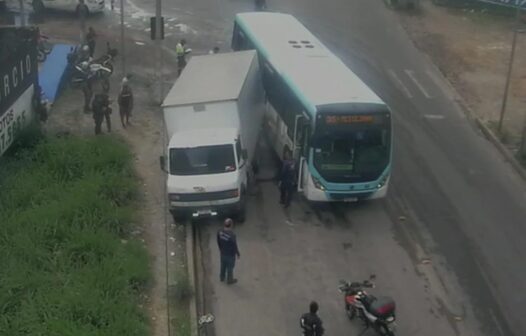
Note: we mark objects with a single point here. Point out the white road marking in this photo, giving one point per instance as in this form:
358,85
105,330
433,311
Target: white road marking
400,84
411,75
434,116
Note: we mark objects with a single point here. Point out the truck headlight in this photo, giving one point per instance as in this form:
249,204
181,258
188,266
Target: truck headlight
234,193
174,197
317,183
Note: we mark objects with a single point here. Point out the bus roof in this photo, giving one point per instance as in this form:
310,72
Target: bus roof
316,75
210,78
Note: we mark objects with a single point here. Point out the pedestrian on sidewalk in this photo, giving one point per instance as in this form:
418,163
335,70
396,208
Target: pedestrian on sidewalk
125,102
227,243
311,323
101,110
90,40
287,179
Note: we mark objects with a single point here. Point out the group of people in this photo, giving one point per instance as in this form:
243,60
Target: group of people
102,110
99,104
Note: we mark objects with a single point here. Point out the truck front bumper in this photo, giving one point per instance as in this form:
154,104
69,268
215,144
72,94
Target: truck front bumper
205,209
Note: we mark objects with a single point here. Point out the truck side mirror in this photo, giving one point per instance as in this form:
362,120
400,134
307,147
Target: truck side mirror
162,161
244,154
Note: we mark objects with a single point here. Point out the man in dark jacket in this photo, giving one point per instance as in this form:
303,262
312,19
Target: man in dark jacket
226,240
101,110
287,179
311,323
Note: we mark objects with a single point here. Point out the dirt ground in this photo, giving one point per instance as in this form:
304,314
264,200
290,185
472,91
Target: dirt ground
472,49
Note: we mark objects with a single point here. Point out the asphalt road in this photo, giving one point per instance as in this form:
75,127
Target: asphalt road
464,207
448,242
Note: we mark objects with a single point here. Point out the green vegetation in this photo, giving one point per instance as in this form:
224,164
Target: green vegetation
68,265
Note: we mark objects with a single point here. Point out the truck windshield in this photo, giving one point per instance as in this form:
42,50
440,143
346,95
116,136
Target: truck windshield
202,160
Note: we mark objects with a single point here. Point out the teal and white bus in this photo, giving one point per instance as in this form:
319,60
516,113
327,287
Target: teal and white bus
337,128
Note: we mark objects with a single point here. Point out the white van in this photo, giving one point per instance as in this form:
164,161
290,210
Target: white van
94,6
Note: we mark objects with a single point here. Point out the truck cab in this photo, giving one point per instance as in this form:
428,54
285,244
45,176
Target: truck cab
207,174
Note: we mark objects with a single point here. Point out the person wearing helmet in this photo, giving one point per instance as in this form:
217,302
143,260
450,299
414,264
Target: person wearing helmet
310,322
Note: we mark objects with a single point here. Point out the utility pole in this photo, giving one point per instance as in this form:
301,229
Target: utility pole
123,52
510,68
22,13
159,43
82,12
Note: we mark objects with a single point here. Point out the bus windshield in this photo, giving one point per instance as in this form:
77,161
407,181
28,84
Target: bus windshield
352,154
202,160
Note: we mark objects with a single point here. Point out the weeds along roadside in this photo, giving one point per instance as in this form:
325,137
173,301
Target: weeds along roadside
70,264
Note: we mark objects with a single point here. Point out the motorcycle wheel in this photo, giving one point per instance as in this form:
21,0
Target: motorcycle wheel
351,311
384,330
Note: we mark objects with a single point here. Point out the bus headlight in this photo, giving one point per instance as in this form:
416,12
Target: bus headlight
317,183
383,181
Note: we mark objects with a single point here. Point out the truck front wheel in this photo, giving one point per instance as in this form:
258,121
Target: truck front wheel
242,211
178,217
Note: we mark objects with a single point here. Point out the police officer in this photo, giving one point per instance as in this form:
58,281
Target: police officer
310,322
180,51
101,110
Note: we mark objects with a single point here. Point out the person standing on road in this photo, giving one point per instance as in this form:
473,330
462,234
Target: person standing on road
227,243
90,40
125,102
287,179
180,51
311,323
101,110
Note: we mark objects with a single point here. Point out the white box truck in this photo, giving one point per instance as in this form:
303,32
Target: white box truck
213,115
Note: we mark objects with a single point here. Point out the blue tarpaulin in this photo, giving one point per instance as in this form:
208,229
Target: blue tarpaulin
52,73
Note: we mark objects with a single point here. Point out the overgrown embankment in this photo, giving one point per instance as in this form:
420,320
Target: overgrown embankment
68,263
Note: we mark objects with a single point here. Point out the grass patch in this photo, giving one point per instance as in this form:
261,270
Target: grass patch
68,264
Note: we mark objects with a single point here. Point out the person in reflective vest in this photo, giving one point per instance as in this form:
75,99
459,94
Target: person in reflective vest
180,51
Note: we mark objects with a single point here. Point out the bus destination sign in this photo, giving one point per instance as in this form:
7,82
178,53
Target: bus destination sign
349,119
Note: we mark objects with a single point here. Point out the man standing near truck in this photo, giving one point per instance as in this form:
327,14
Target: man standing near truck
227,243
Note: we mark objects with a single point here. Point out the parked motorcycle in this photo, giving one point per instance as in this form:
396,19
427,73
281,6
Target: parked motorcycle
98,69
375,312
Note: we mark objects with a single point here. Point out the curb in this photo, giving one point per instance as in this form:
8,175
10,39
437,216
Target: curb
488,133
190,240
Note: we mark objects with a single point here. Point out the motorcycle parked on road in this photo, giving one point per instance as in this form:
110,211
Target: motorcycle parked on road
375,312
